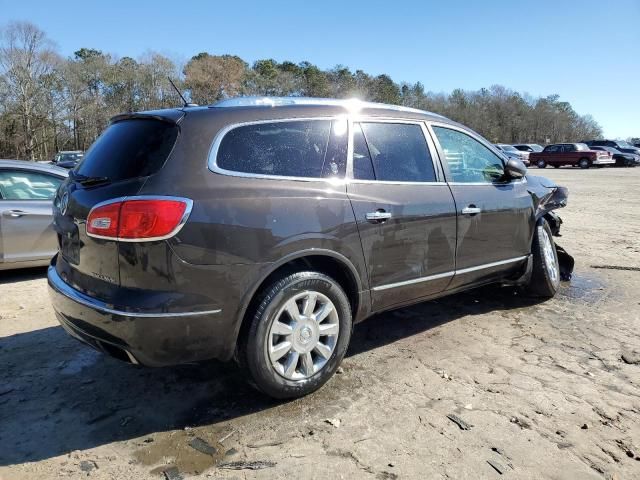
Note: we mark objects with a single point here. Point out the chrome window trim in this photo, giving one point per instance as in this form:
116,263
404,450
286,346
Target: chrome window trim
479,139
449,274
183,220
493,184
407,121
212,162
67,291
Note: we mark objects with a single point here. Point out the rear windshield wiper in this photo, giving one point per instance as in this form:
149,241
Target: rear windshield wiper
86,180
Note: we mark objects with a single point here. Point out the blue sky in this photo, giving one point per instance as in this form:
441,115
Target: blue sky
586,51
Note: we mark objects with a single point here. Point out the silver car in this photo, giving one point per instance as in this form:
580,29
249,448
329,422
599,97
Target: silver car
27,238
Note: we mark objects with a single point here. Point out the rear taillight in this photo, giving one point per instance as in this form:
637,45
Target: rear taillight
137,219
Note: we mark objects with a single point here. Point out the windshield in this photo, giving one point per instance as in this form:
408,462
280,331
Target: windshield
581,147
623,144
508,148
536,148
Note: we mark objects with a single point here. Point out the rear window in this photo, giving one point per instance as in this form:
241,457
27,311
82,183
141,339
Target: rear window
129,149
305,148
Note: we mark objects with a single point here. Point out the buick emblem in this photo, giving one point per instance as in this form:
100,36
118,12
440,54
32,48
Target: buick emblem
64,203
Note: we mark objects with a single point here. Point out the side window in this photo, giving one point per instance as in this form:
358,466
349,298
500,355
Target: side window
398,151
552,149
26,185
362,165
309,148
469,160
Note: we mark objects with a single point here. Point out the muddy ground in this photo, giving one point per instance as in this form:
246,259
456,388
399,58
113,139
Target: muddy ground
541,390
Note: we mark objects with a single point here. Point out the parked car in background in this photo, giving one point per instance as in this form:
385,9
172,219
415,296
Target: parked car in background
621,159
68,159
528,147
264,233
511,152
621,145
574,154
27,237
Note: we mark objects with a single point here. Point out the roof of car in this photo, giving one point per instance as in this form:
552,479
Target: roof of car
39,167
320,105
350,103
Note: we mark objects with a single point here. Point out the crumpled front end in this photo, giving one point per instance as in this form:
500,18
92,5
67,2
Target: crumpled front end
549,197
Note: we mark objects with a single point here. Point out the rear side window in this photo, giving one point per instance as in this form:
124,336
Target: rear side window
305,148
398,152
129,149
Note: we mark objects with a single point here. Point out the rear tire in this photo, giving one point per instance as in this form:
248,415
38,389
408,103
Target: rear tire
545,273
298,335
584,163
542,164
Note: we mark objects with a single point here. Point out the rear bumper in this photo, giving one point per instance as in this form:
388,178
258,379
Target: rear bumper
604,161
148,338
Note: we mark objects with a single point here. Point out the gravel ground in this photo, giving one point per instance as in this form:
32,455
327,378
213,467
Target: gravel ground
485,384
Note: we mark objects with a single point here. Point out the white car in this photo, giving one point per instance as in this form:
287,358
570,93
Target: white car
27,238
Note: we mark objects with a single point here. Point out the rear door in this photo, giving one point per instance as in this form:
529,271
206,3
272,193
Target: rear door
570,154
404,211
495,225
26,231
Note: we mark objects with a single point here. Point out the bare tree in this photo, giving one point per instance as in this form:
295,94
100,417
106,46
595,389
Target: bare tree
26,58
212,77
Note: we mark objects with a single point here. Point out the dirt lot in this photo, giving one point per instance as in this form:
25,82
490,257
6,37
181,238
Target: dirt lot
542,389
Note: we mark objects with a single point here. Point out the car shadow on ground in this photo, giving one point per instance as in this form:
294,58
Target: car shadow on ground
57,396
22,274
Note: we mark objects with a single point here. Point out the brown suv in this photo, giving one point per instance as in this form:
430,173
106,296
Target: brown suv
574,154
263,229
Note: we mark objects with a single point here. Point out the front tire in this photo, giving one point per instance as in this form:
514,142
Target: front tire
545,273
542,164
299,334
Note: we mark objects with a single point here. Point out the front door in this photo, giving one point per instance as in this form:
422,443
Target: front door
26,231
405,213
494,217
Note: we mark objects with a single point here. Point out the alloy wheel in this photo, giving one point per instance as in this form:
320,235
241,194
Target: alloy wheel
303,335
549,257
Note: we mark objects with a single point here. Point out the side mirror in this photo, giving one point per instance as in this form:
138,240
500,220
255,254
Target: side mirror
514,169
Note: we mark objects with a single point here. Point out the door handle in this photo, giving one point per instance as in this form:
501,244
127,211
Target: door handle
14,213
471,210
378,216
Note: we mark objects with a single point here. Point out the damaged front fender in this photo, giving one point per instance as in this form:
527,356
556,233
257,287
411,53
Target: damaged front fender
547,197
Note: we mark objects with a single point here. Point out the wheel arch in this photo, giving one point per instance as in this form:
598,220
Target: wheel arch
331,263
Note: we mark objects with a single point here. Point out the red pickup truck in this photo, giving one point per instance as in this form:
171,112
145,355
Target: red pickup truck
572,154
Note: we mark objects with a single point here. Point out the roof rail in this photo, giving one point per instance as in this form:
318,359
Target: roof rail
350,104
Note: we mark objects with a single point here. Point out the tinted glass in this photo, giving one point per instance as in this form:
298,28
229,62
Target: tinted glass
25,185
128,149
469,160
399,152
362,166
312,149
552,148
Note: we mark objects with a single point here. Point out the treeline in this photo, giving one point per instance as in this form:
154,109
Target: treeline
49,103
